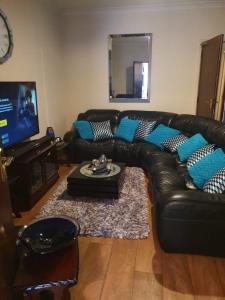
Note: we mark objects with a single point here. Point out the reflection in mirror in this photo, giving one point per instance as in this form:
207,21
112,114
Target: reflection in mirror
129,67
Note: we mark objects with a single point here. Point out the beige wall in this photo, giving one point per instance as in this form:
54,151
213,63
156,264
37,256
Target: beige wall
177,35
36,57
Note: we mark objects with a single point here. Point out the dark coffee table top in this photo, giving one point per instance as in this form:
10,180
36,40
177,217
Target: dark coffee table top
77,176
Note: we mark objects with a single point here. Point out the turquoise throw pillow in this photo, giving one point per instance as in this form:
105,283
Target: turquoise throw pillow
194,143
206,167
160,134
84,129
126,129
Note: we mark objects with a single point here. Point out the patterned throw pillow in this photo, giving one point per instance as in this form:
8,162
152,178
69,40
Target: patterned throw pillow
216,184
207,167
144,129
191,145
199,154
101,130
173,143
160,134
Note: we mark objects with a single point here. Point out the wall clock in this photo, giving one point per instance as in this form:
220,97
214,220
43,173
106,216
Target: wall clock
6,38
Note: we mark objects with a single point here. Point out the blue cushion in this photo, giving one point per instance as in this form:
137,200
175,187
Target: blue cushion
206,167
160,134
84,129
126,129
194,143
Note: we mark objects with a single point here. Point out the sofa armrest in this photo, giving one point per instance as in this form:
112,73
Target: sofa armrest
69,136
192,205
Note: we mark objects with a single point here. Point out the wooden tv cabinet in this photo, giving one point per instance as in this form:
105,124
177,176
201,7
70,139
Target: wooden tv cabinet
31,175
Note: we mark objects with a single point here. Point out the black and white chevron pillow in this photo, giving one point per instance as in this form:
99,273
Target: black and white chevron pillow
173,143
216,184
101,130
144,128
199,154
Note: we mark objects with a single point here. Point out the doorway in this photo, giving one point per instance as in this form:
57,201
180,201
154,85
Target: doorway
220,111
209,77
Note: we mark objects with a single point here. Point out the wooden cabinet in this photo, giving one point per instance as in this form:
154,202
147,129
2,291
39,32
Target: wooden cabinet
31,175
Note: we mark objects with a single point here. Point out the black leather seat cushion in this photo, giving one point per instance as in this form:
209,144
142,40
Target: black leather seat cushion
88,150
165,180
132,153
155,159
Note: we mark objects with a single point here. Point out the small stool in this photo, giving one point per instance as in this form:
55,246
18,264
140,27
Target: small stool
48,275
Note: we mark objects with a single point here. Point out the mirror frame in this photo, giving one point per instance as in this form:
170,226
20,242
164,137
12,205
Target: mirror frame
128,100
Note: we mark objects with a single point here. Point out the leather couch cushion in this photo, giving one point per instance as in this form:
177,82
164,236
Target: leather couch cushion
132,153
127,152
212,130
166,179
160,117
157,159
100,115
88,150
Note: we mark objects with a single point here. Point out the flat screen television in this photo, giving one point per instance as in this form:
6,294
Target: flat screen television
18,112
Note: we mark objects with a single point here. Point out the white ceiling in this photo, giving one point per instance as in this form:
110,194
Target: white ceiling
107,4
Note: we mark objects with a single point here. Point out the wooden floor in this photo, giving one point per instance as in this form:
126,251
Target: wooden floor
114,269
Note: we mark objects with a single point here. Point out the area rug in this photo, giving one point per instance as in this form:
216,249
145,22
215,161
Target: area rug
126,217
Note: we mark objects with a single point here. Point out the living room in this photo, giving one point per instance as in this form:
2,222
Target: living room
63,47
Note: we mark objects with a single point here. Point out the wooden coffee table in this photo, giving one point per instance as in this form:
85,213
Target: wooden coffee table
81,185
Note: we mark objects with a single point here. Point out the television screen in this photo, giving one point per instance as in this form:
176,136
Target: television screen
18,112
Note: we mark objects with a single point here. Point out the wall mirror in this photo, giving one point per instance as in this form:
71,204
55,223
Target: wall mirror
129,67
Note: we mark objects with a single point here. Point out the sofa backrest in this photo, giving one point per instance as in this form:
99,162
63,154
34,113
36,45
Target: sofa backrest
159,116
212,130
100,115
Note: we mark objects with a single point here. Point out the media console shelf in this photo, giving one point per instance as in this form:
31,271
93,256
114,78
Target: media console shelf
31,174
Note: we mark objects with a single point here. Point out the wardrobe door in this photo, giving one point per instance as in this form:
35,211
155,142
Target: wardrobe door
7,237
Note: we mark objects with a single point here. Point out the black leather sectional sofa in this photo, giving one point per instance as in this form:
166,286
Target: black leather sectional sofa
188,220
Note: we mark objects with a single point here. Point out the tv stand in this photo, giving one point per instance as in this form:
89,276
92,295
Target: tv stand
27,146
33,170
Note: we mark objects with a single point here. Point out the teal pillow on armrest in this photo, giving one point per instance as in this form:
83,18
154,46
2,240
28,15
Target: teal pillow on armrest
126,129
194,143
84,129
206,167
160,134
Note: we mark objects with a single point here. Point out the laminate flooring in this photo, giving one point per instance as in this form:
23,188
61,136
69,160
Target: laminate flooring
116,269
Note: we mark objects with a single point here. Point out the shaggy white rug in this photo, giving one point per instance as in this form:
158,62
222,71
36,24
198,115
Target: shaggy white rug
126,217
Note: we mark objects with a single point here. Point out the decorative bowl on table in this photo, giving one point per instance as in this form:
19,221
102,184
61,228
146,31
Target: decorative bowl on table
100,168
47,235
